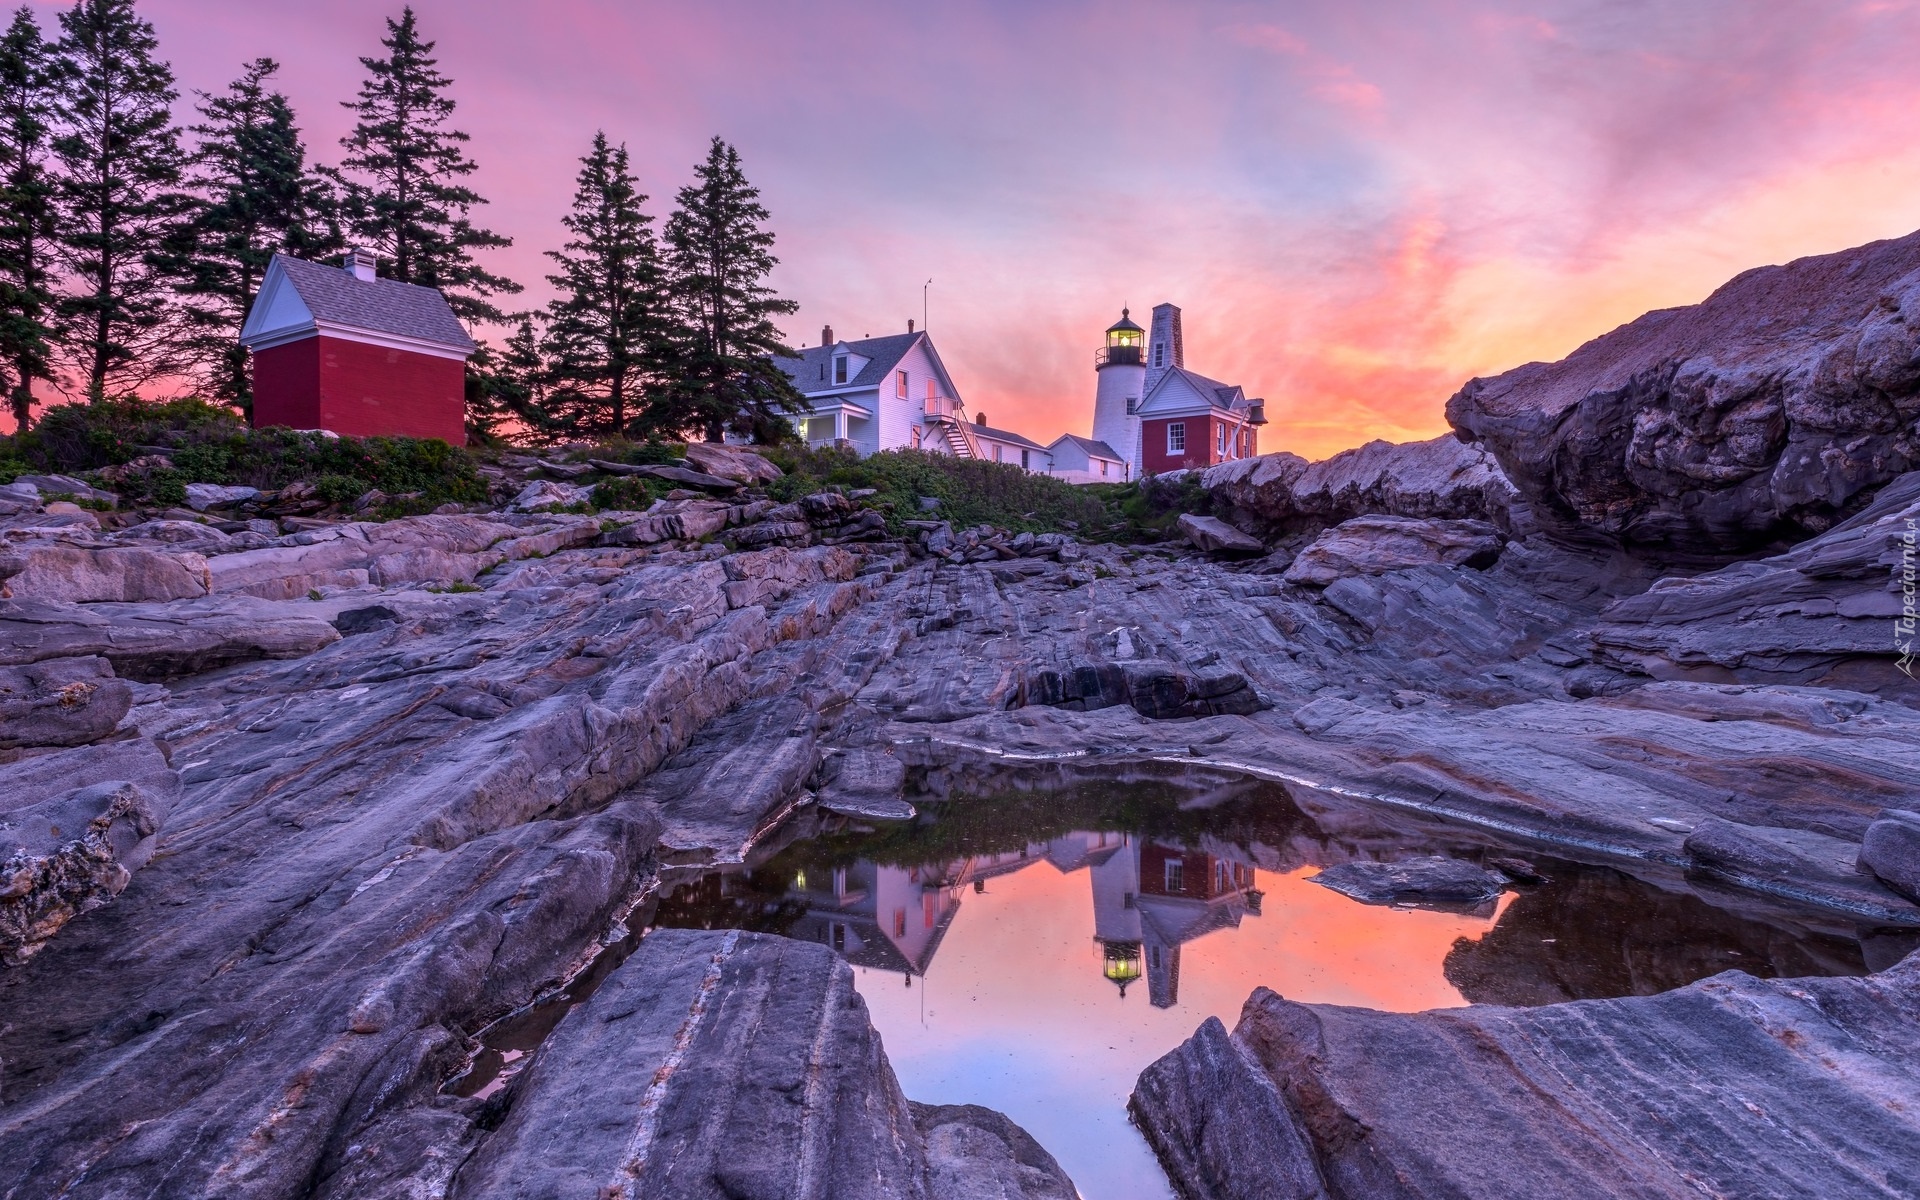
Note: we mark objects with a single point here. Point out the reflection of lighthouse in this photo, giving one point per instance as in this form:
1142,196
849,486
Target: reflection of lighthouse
1150,899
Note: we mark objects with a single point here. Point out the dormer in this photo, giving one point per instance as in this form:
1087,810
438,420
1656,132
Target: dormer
843,365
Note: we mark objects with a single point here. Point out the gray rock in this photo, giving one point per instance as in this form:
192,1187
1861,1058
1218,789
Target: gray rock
1672,1095
546,494
74,826
73,575
60,702
1442,479
731,462
975,1153
1215,536
1378,544
1433,879
739,1064
692,479
1890,850
203,496
1756,416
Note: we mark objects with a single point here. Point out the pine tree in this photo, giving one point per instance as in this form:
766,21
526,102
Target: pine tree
260,199
508,387
403,168
718,258
26,213
120,164
606,327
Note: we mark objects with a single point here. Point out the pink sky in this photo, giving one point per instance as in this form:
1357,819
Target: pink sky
1358,206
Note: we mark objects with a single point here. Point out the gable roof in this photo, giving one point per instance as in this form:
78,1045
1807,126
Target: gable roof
298,297
1004,435
812,371
1218,395
1094,449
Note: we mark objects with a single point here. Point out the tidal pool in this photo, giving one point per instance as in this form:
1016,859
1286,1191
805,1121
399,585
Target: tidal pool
1033,950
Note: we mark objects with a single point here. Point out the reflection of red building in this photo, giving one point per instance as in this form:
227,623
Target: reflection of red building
1153,898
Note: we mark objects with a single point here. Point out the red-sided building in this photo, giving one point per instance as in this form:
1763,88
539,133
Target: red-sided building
1188,420
338,348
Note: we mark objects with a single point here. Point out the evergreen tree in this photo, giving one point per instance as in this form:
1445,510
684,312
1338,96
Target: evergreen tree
404,167
718,258
26,213
260,199
120,164
605,330
508,387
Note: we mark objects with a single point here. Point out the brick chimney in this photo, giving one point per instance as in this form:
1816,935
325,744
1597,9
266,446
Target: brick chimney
359,263
826,335
909,324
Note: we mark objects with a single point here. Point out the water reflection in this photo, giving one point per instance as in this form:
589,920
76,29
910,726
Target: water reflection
1003,942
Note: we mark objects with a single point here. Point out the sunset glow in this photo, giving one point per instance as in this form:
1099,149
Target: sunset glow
1358,207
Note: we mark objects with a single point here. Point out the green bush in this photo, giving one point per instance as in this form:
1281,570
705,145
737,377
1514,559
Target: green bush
970,491
210,444
625,493
340,489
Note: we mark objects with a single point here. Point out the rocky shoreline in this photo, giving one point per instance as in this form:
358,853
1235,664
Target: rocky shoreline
295,810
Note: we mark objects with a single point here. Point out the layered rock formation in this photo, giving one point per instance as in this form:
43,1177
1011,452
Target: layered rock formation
1759,416
1443,479
1730,1087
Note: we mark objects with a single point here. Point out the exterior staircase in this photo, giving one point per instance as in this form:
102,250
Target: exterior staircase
954,427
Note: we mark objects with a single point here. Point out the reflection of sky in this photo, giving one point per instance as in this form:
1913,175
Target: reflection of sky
1358,205
1015,1015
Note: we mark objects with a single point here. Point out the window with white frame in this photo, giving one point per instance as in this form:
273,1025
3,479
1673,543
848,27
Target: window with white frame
1026,460
1176,437
996,452
931,394
900,384
1176,872
1103,467
1159,354
840,369
1219,439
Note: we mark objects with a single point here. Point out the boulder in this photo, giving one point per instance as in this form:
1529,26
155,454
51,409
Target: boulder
1891,851
74,826
1686,1093
77,575
1430,879
38,487
61,702
1215,536
731,462
1441,478
729,1064
1378,544
1758,416
203,496
690,478
546,493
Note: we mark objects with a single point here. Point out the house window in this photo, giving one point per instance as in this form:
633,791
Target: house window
1176,871
916,437
1026,460
900,384
840,369
1103,468
931,394
899,922
996,453
1220,439
1176,437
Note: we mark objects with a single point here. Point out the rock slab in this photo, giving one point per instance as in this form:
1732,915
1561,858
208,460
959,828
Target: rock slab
1732,1086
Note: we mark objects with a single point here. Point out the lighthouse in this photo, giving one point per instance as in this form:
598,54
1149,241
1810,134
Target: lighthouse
1121,368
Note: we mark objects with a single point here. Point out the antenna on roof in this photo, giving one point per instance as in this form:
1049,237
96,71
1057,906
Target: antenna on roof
924,323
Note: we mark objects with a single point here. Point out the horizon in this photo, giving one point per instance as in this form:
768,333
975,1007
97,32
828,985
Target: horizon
1349,232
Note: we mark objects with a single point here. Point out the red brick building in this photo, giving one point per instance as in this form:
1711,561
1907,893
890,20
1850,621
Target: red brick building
340,349
1188,420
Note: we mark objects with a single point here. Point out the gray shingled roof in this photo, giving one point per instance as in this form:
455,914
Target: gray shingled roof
882,353
1098,449
1003,435
334,296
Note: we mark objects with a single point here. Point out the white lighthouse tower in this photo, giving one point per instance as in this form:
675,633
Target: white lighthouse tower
1121,370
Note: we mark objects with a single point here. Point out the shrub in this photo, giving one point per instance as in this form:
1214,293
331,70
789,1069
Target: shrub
625,493
970,491
340,489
